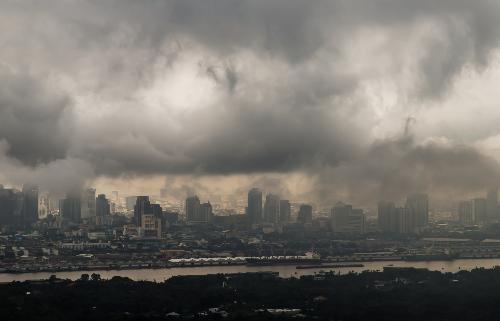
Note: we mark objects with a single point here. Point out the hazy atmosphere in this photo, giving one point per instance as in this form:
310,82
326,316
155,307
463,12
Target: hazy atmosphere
316,100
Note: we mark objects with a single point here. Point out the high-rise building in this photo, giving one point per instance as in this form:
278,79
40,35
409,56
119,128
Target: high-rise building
192,208
385,216
142,206
70,209
103,208
272,208
11,204
399,220
305,214
345,219
418,205
465,214
206,213
30,205
285,211
479,213
404,221
88,204
151,225
492,204
254,209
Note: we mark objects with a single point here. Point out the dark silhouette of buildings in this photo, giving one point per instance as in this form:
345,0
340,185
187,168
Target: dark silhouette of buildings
254,209
70,209
103,209
142,206
418,205
345,219
29,213
305,214
197,212
285,211
11,203
272,208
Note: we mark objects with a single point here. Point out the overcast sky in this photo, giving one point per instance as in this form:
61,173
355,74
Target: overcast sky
319,100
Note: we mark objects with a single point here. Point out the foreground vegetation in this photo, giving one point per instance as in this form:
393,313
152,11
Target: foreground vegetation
395,294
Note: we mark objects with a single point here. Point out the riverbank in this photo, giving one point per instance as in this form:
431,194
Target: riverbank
284,271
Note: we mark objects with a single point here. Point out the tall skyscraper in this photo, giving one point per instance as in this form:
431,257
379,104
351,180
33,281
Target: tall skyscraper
254,209
102,206
142,206
70,209
88,204
285,211
345,219
479,213
418,205
465,214
492,204
11,204
192,208
305,214
206,213
385,216
272,208
30,205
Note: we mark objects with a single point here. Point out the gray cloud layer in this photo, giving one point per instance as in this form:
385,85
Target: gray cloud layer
282,84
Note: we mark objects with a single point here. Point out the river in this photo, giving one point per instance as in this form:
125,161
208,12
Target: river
160,275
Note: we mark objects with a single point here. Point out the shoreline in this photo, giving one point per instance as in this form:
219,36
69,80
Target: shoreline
301,265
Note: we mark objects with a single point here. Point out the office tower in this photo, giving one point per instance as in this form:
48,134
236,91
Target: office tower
418,205
151,225
340,216
115,196
492,204
130,202
285,211
465,214
70,209
356,221
206,213
403,221
30,205
345,219
103,209
385,214
254,209
479,214
272,208
192,208
88,204
142,206
11,204
305,214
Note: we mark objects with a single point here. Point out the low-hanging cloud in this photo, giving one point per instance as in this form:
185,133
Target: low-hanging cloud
185,87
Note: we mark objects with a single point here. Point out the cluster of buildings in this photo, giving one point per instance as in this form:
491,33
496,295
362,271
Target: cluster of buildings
479,210
343,217
86,208
144,217
19,207
411,218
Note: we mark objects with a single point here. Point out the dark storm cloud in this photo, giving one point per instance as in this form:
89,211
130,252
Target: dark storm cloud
34,120
393,168
295,105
